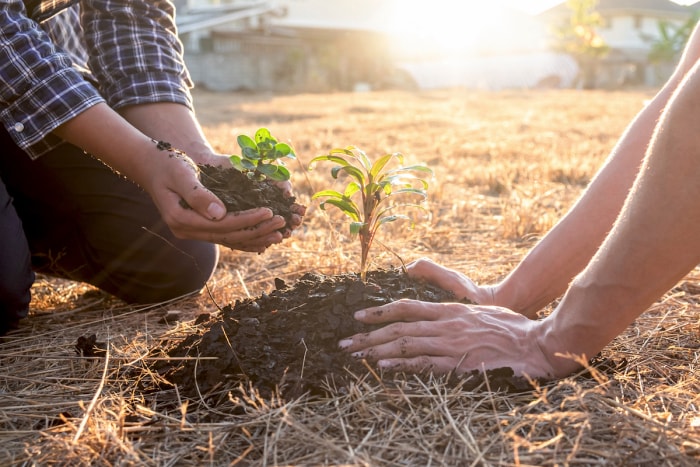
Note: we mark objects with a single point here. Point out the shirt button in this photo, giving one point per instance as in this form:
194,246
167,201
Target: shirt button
19,127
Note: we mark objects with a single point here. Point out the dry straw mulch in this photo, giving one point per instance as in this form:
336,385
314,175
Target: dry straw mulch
507,166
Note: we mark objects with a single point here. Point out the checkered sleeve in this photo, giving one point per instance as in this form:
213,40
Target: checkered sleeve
39,90
134,52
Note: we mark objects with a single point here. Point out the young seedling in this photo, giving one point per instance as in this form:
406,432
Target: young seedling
381,191
261,157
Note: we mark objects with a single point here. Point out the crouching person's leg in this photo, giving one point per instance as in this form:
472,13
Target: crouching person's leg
16,275
96,227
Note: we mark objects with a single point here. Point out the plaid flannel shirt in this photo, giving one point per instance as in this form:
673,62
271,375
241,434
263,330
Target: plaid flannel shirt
58,58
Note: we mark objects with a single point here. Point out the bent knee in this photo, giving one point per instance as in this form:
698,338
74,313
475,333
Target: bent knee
171,277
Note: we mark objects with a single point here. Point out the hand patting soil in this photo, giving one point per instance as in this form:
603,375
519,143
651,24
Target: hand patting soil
289,337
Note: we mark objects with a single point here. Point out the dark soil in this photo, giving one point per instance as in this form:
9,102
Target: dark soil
288,339
239,192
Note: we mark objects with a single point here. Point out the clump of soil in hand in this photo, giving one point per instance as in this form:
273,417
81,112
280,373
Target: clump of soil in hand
239,192
288,339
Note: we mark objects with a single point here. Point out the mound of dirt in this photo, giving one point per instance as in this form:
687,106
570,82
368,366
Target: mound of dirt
288,339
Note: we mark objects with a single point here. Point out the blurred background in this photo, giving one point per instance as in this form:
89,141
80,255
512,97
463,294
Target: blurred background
298,46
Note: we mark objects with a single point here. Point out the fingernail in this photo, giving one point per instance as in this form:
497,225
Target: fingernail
344,344
216,211
360,314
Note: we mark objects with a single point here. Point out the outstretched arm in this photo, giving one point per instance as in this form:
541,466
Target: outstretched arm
654,243
546,271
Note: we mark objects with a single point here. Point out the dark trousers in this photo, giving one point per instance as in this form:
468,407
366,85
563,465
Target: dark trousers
68,215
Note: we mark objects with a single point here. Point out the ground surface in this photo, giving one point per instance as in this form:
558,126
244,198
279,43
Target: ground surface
507,166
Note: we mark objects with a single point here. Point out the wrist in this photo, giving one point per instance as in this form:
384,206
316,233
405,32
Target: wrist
579,328
511,294
200,152
559,348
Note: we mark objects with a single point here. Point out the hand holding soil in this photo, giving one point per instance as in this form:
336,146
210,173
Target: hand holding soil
240,193
253,222
256,178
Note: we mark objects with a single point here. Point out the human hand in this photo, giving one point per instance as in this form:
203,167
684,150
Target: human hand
444,337
449,279
297,210
173,179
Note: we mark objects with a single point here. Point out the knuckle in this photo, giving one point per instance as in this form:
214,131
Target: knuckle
424,364
398,330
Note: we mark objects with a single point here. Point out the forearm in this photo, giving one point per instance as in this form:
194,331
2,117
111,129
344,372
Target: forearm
105,134
171,122
654,243
548,268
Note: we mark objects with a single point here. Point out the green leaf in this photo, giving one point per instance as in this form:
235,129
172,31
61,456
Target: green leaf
236,162
382,213
349,208
284,150
380,164
281,175
267,169
251,153
350,170
351,189
356,227
327,193
411,168
263,136
361,157
331,158
248,165
406,180
245,141
345,151
413,191
392,218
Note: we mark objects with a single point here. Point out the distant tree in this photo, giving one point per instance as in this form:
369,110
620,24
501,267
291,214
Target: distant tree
667,46
578,37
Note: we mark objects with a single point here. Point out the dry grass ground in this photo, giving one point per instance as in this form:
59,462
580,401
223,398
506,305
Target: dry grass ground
507,165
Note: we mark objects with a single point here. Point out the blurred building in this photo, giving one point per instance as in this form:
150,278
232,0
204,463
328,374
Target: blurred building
325,45
631,28
283,46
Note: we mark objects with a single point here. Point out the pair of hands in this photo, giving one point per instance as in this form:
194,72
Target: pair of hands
176,179
443,337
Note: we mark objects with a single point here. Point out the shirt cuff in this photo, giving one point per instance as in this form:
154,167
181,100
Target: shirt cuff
32,117
148,88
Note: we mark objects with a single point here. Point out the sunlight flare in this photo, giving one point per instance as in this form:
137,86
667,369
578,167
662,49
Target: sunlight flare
457,29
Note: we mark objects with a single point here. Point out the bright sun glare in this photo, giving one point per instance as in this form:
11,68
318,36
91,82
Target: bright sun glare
450,28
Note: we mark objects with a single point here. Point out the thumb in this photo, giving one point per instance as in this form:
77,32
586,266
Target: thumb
205,203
